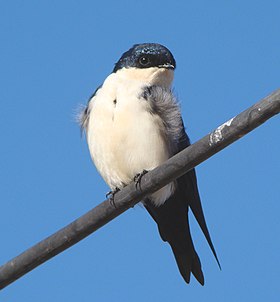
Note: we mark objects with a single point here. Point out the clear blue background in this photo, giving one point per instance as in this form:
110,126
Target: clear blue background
53,54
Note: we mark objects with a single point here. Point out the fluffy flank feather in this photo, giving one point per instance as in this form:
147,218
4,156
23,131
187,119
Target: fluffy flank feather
82,117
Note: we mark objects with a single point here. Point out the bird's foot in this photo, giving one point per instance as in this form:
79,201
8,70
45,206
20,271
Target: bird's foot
137,179
111,196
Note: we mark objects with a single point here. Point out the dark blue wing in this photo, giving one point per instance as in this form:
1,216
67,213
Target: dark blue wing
173,222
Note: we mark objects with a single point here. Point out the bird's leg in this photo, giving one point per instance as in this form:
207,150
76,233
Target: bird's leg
111,195
137,179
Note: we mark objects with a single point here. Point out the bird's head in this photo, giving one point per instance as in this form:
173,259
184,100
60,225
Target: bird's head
147,62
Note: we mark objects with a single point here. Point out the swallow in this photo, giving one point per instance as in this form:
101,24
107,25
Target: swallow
133,123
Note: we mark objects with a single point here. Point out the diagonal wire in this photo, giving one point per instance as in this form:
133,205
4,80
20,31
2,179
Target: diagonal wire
176,166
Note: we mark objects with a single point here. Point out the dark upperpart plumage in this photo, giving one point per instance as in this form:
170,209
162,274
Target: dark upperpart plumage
172,217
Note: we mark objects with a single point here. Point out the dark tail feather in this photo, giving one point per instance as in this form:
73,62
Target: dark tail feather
189,183
195,205
184,264
196,269
188,265
173,225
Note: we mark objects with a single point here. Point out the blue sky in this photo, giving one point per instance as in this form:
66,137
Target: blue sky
53,56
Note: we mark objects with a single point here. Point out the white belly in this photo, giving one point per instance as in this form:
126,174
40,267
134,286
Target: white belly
125,138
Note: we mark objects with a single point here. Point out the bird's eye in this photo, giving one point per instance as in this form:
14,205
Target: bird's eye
144,60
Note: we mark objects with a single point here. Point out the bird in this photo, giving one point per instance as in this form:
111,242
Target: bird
133,124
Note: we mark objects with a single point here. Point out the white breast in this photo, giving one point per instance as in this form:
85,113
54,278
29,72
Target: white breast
124,138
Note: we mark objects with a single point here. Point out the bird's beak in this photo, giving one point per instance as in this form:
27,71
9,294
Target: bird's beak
167,66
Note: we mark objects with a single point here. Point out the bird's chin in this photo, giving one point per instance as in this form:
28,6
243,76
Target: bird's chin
163,77
149,76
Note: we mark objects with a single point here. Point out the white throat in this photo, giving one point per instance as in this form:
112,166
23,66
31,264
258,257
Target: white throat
148,76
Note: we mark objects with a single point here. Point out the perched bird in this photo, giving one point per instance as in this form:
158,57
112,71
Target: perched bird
133,124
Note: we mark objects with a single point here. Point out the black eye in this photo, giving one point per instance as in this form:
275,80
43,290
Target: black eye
144,60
